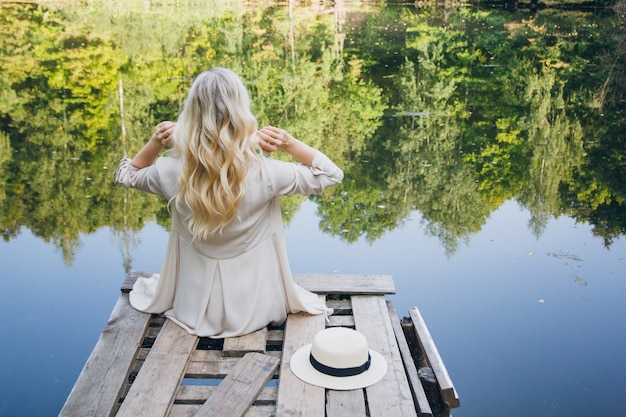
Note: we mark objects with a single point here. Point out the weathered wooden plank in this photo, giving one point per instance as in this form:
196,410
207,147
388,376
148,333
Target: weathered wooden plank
318,283
239,389
346,284
142,354
154,388
391,396
239,346
193,394
199,355
103,378
132,276
275,335
189,410
340,307
184,410
213,364
209,364
295,397
419,396
262,411
349,403
153,332
448,392
341,321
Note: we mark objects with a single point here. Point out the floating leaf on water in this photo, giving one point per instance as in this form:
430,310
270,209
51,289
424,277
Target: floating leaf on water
578,280
565,255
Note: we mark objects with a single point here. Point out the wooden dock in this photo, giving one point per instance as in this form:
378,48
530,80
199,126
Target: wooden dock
146,366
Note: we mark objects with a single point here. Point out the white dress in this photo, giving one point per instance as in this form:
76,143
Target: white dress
238,281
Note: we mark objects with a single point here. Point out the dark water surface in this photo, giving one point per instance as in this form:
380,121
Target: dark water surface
484,153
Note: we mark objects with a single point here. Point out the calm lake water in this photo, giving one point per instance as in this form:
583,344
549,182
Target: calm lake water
484,156
525,326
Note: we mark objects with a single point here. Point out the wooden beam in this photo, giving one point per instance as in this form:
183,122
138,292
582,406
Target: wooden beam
431,354
104,375
419,396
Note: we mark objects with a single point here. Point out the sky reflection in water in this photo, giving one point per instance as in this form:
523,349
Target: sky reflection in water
525,326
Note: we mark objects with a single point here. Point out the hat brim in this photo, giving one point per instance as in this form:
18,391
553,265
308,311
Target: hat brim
302,368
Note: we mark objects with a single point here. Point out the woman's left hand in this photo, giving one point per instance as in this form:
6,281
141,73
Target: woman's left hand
163,133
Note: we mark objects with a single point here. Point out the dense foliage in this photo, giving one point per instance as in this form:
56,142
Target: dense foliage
447,111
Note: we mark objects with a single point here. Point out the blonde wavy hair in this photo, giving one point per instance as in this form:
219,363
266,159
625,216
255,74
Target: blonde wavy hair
215,135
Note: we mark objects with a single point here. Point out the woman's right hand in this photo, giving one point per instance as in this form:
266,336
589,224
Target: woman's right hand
273,138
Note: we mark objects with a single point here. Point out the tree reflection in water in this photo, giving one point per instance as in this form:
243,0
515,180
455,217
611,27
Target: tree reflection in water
448,112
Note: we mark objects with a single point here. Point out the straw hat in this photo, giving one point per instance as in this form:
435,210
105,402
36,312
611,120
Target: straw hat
338,359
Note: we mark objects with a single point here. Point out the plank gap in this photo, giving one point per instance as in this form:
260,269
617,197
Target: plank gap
206,343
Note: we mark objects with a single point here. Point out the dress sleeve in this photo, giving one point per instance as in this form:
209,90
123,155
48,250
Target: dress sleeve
145,179
290,178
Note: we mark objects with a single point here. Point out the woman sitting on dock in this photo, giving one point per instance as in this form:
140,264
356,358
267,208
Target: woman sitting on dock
226,271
